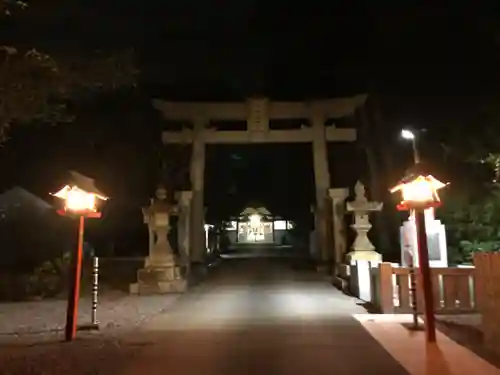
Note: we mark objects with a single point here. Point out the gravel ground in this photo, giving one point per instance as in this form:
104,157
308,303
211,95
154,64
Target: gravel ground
466,330
470,320
31,334
116,311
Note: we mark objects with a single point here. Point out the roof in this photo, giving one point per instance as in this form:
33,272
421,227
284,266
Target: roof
19,195
255,211
85,183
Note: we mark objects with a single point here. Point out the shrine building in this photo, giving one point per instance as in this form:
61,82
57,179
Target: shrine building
258,225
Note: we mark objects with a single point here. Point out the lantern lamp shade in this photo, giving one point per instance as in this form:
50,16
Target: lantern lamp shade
418,192
77,199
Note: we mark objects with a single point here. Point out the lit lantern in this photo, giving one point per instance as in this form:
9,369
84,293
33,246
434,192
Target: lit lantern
80,200
77,200
418,192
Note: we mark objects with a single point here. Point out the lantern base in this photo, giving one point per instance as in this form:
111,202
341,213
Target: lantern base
160,280
86,214
408,206
360,275
366,255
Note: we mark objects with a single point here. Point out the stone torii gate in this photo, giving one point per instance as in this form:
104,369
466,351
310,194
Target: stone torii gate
258,112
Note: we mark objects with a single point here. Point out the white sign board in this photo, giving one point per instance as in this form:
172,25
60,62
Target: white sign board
436,243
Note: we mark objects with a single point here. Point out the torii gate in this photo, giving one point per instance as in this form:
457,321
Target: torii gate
258,112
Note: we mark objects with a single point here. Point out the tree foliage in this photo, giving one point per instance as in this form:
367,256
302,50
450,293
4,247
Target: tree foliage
7,7
38,86
471,213
472,224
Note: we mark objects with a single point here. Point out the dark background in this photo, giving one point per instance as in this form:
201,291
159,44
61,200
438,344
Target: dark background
427,66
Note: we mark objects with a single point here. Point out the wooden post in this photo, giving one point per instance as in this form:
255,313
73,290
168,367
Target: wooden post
386,289
74,290
425,273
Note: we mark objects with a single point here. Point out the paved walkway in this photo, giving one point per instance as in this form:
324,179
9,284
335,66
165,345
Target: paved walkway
445,357
253,316
259,316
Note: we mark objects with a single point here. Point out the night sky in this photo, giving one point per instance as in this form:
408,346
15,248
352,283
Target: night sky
428,66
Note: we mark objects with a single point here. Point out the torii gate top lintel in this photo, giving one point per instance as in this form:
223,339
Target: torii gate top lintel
258,112
328,108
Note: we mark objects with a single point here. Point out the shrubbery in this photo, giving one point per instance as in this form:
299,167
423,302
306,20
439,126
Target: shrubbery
45,281
472,224
35,258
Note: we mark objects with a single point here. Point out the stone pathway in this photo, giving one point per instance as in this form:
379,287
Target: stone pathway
261,317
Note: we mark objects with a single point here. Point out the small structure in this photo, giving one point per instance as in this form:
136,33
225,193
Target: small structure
362,248
436,241
258,225
20,201
163,272
26,221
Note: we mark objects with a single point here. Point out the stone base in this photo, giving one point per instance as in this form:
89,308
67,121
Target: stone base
368,255
343,270
360,280
168,260
340,278
341,284
159,280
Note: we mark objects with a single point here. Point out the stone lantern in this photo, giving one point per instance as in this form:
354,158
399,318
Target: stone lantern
163,273
362,248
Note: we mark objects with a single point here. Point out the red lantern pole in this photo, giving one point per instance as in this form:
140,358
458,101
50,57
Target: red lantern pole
425,273
74,290
82,204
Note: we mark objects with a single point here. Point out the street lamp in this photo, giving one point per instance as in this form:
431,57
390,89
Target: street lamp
82,204
419,192
407,134
410,136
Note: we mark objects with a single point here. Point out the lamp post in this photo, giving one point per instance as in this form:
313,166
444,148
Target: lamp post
81,204
419,192
409,135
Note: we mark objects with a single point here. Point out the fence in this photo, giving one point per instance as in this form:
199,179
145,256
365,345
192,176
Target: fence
488,294
454,290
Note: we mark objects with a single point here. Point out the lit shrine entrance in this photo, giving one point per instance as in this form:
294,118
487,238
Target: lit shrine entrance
255,229
258,226
197,117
